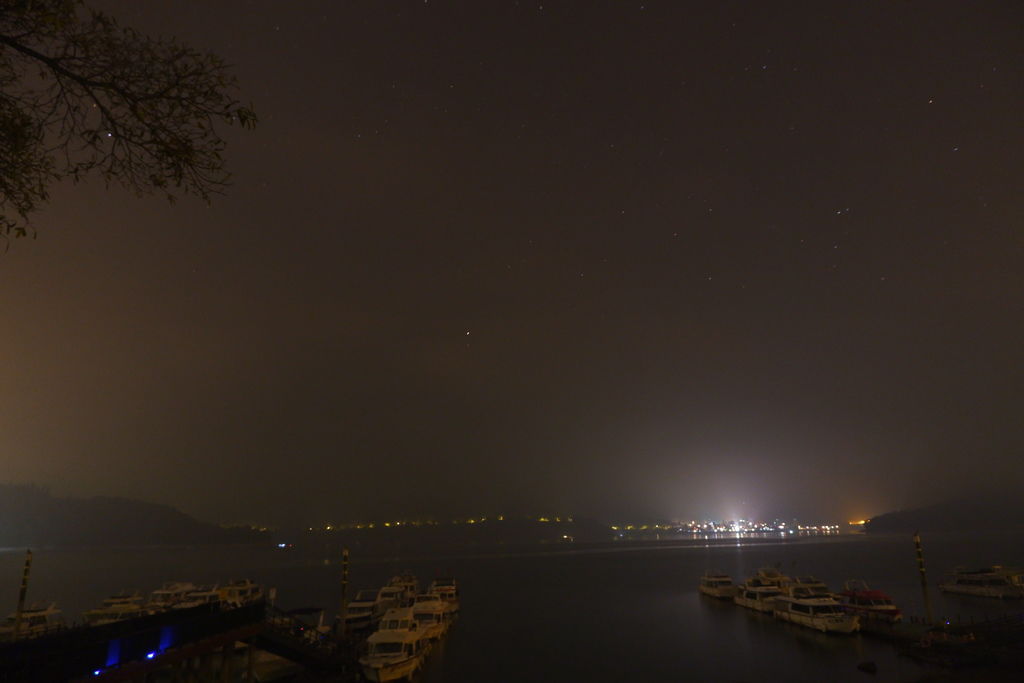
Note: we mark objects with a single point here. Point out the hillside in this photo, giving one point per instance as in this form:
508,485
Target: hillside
31,516
998,512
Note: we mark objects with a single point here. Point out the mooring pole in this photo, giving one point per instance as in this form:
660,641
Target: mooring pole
344,592
924,577
22,593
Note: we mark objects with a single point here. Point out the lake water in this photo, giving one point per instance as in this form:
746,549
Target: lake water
618,613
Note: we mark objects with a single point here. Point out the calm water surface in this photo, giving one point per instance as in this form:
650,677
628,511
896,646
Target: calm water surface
622,613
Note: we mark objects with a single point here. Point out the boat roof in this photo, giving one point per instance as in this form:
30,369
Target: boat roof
809,600
393,637
871,594
398,613
38,609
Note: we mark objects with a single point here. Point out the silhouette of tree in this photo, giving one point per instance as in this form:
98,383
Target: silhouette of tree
81,94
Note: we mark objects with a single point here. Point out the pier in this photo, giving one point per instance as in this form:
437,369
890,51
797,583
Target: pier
204,643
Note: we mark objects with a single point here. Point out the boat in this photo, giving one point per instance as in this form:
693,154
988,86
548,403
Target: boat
718,585
36,620
805,586
364,611
445,583
236,593
771,576
448,590
819,612
169,595
870,605
203,595
757,597
116,608
996,581
391,597
431,615
409,584
396,650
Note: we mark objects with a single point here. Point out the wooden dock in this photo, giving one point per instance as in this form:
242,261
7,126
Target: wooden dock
196,644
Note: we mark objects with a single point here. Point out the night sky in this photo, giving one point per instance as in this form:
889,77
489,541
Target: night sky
597,258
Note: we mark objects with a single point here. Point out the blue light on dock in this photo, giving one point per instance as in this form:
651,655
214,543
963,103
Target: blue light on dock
150,655
96,672
113,653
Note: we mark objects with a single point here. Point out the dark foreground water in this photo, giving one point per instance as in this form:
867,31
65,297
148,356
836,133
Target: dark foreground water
618,613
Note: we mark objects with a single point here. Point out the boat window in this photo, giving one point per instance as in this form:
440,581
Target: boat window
797,607
386,648
827,609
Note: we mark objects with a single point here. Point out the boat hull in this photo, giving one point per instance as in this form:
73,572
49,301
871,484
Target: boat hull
832,624
998,592
720,592
390,671
762,605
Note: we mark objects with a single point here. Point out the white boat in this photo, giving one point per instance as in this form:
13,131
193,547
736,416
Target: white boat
364,611
996,581
203,595
818,612
446,583
804,586
448,590
236,593
872,605
756,597
36,621
431,615
770,576
391,597
169,595
409,584
116,608
396,650
718,585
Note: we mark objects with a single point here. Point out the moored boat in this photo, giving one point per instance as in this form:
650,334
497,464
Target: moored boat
238,592
168,595
409,584
391,597
37,620
771,576
756,597
818,612
718,585
396,650
431,615
118,607
447,589
203,595
996,581
805,586
364,611
871,605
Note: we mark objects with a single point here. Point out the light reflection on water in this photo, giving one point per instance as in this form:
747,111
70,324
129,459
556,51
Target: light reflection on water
623,612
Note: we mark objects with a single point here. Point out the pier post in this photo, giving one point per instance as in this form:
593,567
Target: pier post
227,661
924,577
343,612
22,593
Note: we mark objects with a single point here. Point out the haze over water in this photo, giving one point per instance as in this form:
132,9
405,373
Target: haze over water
622,612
